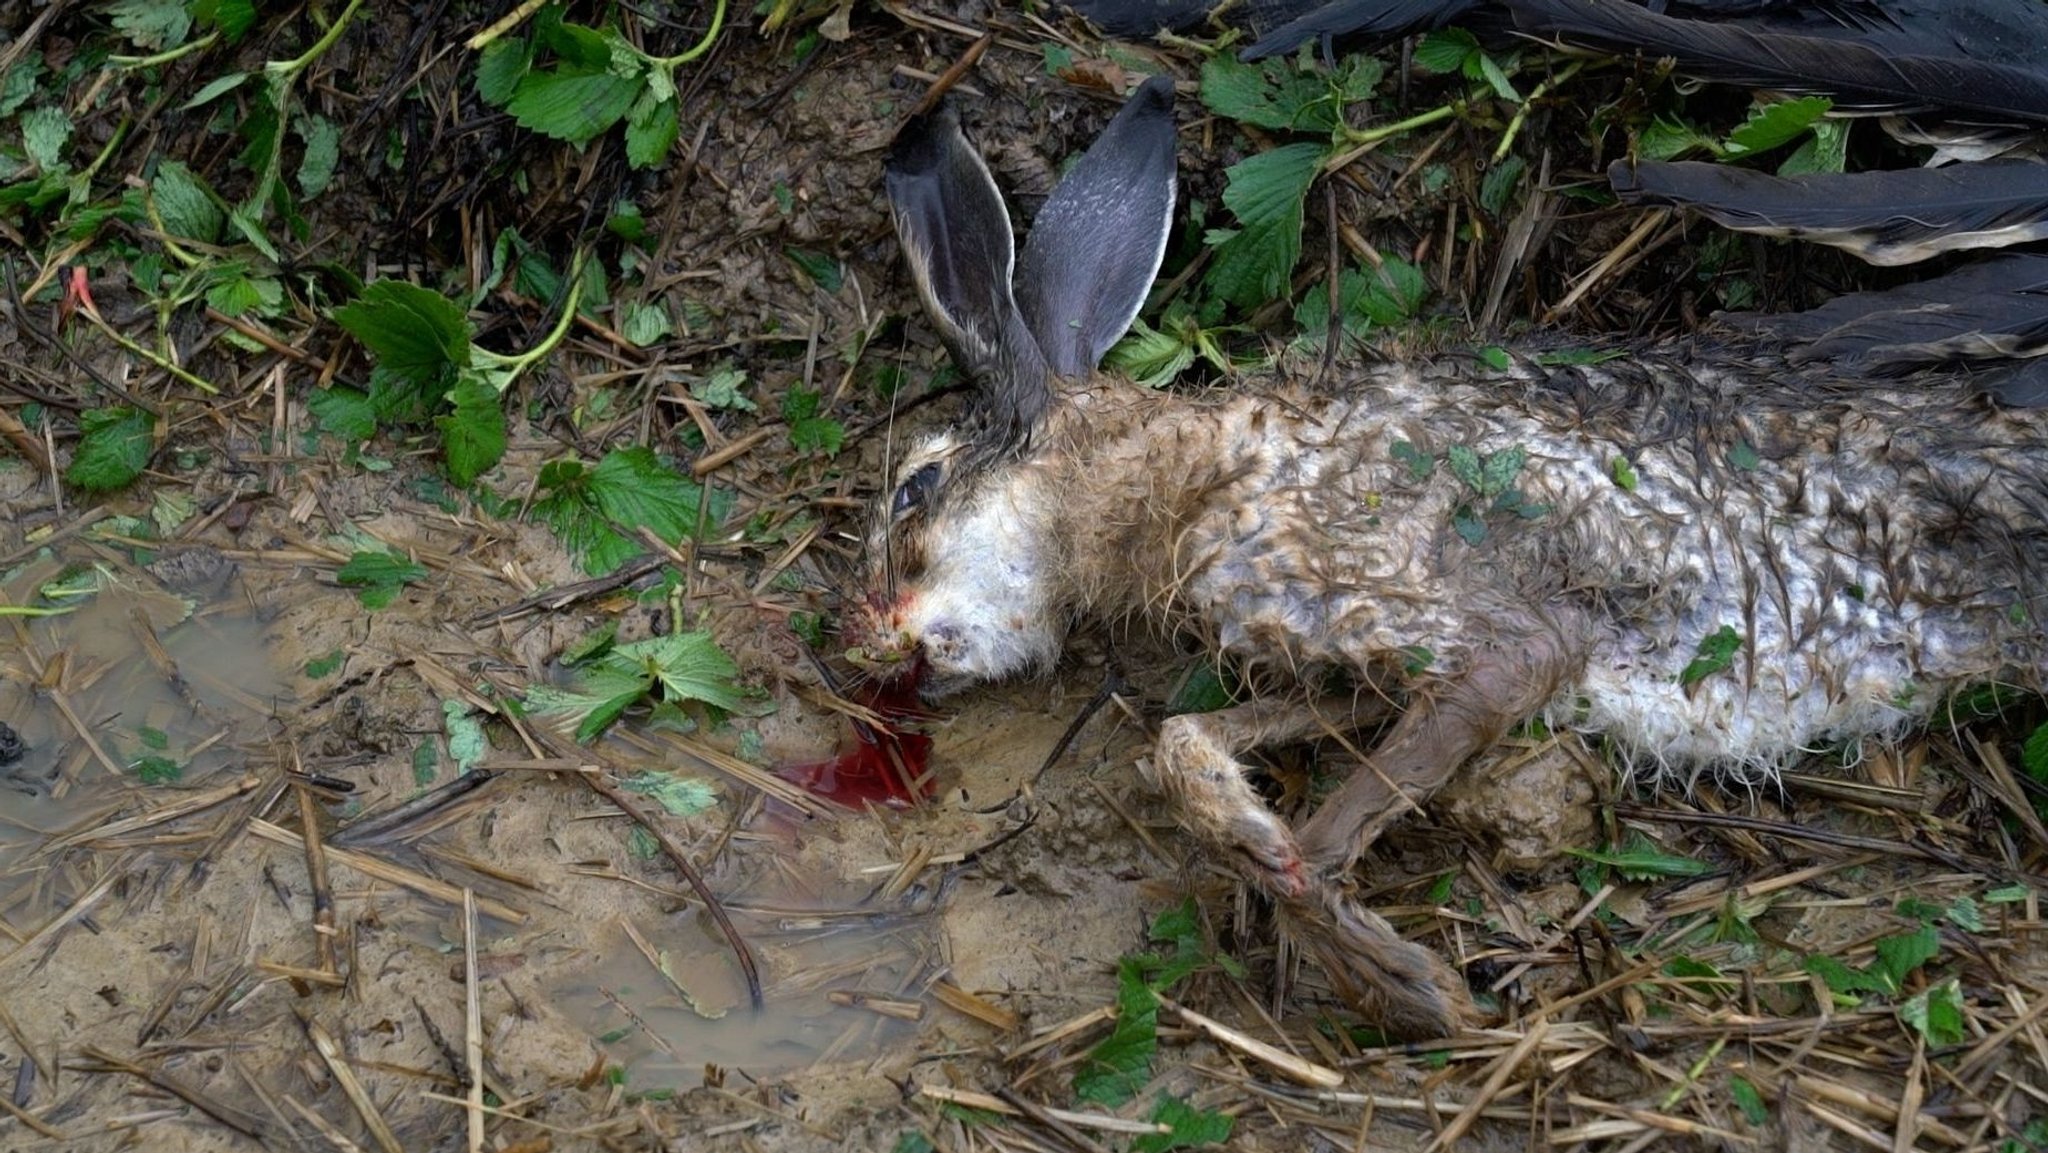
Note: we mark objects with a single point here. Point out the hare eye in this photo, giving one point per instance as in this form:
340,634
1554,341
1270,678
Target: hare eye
916,490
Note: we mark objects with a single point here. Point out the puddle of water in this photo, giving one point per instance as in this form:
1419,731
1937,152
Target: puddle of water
134,688
834,979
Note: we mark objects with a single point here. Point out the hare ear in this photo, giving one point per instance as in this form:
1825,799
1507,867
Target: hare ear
956,238
1099,239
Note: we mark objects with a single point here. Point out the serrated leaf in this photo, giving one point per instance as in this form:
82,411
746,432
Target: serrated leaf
234,18
467,744
18,83
413,331
1936,1013
1841,979
824,271
345,413
645,324
377,577
690,667
44,132
185,204
1669,139
1149,357
473,431
1498,471
1121,1063
1716,652
238,293
574,106
1770,125
113,448
323,152
1899,955
1253,264
151,25
817,436
1189,1127
721,390
631,486
1495,76
1368,298
678,795
1270,94
594,709
500,68
651,130
1445,51
1463,462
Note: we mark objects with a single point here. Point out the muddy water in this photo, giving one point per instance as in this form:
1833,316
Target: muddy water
133,689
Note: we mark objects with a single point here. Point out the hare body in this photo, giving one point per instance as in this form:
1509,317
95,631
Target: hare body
1476,548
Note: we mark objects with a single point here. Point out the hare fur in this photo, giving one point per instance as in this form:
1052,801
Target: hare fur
1453,539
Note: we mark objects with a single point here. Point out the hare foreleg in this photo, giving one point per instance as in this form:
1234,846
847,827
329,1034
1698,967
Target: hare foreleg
1446,724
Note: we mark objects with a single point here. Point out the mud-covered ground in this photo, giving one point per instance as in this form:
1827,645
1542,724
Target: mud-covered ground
163,978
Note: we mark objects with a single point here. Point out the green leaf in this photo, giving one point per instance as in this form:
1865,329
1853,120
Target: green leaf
2034,754
646,324
651,130
1827,150
1121,1063
1445,51
156,770
679,796
18,83
602,700
473,432
1716,652
1743,457
1770,125
1936,1013
1500,184
503,64
467,744
151,25
323,152
237,293
1272,94
1748,1100
721,390
824,271
1623,472
413,331
1499,470
1190,1127
628,487
378,576
44,132
1420,465
1669,139
113,448
345,413
1265,192
910,1140
1200,691
689,666
571,105
234,18
187,207
1150,357
1463,462
1640,860
325,666
214,89
1841,979
1367,299
1899,955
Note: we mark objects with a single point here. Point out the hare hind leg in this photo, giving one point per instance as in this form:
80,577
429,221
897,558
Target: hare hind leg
1403,987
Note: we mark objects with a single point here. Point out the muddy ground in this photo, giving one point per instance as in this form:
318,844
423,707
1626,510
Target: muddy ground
163,978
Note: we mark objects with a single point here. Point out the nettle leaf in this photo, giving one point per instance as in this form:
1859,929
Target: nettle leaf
467,743
188,208
1272,94
473,432
234,18
1446,50
646,324
500,68
113,449
1367,298
630,486
1121,1063
237,293
1936,1013
1150,357
824,271
377,577
690,667
1498,471
1827,150
152,25
1899,955
1716,652
413,331
722,390
571,105
44,132
1265,192
1189,1127
344,412
1669,139
1463,461
323,153
1770,125
652,129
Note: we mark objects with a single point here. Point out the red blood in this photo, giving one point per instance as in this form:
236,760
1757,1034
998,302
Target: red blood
881,766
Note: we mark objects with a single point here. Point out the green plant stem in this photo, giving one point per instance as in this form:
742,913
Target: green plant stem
291,68
154,358
512,366
166,56
702,46
106,153
1507,138
1363,140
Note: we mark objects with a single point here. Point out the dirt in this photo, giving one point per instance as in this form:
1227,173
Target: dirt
182,948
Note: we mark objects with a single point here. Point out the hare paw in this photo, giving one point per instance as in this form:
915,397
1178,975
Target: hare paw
1403,988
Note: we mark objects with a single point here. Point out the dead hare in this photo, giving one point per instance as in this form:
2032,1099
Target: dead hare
1476,546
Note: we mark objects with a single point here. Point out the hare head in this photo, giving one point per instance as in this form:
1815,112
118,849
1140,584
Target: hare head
968,576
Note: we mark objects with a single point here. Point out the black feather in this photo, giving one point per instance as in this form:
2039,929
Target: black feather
1375,20
1889,217
1898,72
1992,310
